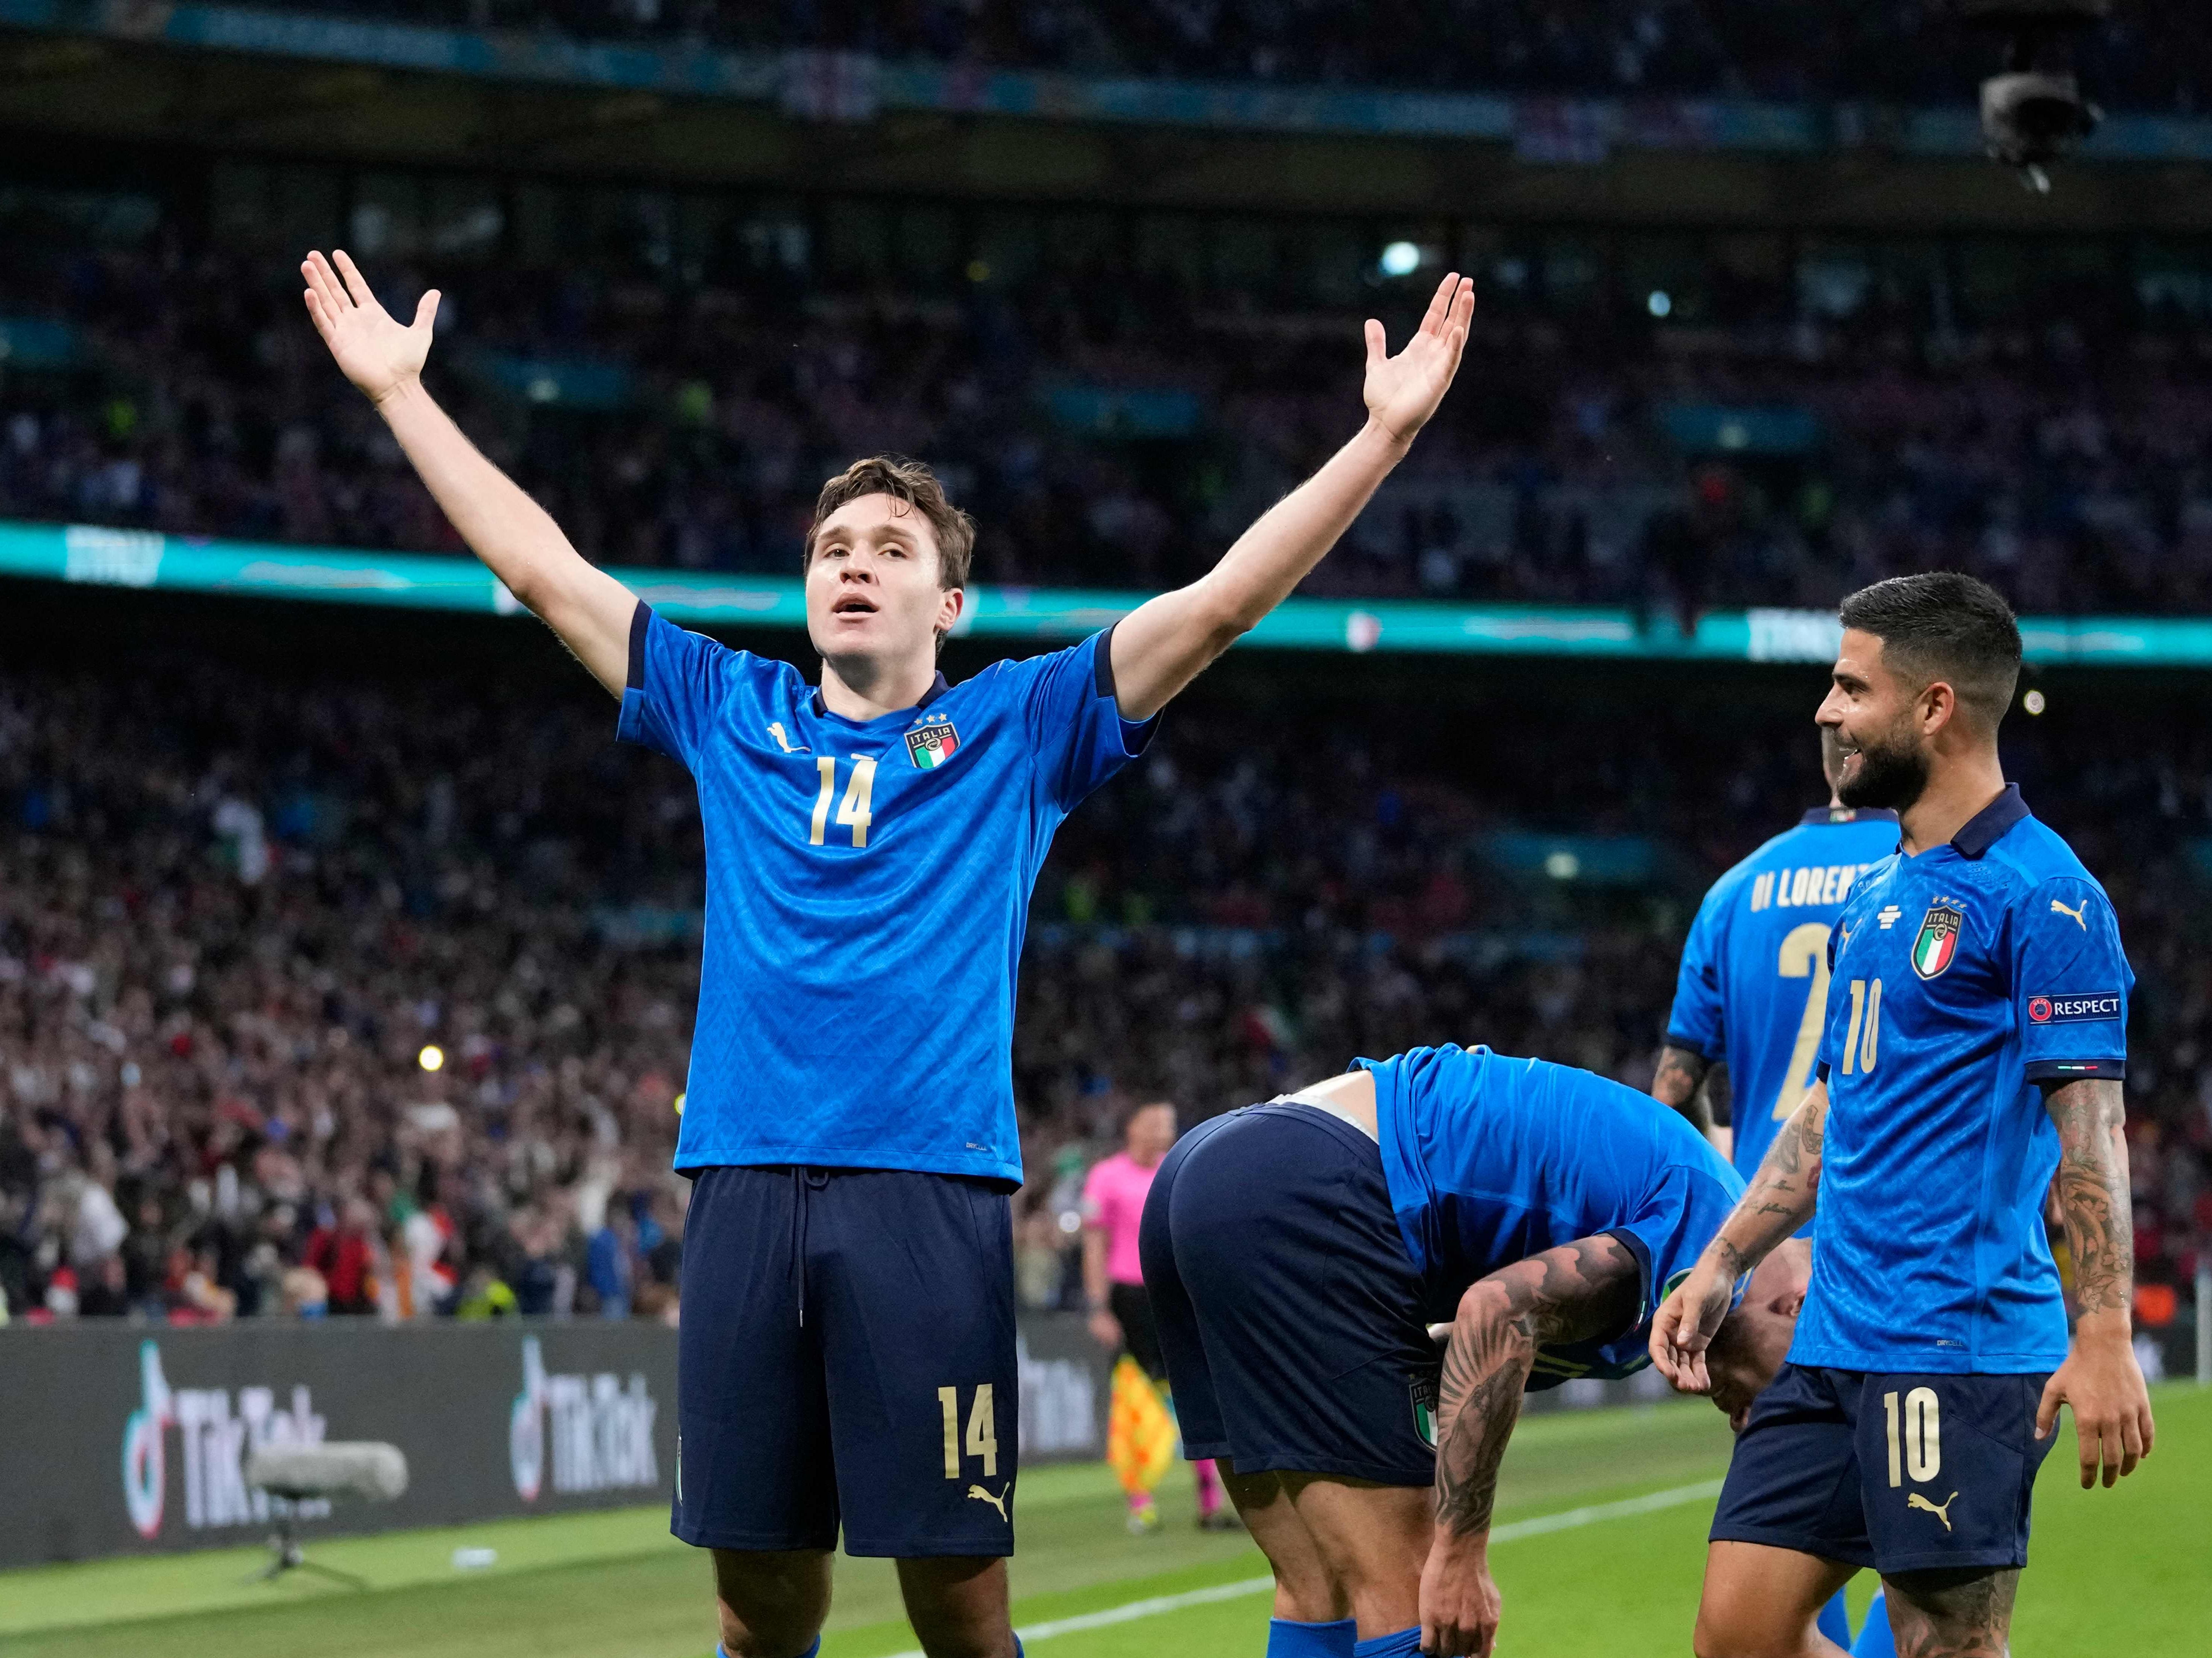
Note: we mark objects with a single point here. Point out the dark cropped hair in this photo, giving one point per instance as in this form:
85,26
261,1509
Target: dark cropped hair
1942,625
913,482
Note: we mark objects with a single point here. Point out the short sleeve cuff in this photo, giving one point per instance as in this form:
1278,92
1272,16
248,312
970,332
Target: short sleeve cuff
1136,734
2072,1070
1695,1045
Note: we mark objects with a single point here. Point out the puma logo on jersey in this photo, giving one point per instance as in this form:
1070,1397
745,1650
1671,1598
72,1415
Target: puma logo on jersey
783,739
977,1494
2060,909
1912,1500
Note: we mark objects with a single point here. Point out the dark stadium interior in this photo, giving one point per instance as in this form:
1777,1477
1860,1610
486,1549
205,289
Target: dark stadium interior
259,856
2151,55
1116,393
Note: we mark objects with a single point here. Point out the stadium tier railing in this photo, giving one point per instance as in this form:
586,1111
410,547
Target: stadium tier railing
853,87
101,556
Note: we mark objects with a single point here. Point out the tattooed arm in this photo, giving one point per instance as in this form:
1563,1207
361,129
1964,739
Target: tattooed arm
1779,1200
1680,1083
1581,1292
2100,1378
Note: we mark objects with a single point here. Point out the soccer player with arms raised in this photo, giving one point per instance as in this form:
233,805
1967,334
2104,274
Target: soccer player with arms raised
848,1354
1974,1050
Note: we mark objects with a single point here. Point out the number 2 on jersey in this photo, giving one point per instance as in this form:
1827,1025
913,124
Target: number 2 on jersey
1804,955
853,812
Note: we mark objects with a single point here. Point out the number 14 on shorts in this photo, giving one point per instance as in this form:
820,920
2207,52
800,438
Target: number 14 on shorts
982,1439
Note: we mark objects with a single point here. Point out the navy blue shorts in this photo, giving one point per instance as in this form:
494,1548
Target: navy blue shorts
1900,1472
847,1356
1289,1311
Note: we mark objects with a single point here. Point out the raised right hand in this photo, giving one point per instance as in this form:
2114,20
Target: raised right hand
1685,1323
375,353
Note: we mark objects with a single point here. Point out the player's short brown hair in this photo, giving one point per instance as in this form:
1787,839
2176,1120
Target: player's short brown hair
913,482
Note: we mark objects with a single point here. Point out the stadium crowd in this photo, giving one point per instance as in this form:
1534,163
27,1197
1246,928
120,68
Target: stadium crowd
322,995
2148,56
1116,427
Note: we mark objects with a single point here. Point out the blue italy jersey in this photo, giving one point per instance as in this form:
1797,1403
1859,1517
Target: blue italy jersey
1963,977
867,886
1753,986
1491,1160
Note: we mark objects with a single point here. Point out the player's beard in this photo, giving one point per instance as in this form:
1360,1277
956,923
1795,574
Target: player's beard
1891,774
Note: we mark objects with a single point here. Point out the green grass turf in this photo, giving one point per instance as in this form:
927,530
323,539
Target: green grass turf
2120,1570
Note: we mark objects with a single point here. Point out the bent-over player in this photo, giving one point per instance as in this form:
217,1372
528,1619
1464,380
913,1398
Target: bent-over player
1297,1253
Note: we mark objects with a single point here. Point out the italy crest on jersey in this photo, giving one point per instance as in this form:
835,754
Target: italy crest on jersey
931,745
1939,938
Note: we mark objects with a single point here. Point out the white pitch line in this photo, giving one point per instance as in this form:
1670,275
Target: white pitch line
1567,1519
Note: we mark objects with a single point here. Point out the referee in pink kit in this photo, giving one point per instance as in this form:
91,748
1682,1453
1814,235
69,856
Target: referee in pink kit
1114,1285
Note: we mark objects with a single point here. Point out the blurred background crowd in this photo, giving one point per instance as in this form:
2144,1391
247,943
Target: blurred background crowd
2149,55
1668,422
330,992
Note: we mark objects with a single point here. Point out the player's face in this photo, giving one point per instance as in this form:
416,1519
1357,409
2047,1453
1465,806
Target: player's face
1152,1133
1755,1340
871,588
1875,716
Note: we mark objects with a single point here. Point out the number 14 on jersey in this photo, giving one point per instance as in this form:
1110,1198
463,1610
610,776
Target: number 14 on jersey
852,811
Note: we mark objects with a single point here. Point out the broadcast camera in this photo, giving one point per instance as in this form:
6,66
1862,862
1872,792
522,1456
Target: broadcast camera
2034,112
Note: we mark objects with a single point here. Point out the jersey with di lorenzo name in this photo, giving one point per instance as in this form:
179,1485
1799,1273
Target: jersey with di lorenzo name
867,889
1753,989
1965,979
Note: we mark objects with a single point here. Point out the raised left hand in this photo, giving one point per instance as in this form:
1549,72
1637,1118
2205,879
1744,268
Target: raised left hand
1403,392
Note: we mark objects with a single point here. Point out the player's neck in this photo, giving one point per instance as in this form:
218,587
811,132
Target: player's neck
1955,793
866,688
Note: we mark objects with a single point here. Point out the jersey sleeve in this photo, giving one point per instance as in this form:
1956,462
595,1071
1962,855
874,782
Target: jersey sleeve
1698,1021
676,679
1074,721
2070,983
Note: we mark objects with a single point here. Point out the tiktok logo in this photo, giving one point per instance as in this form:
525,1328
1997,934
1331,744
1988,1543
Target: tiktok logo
145,1463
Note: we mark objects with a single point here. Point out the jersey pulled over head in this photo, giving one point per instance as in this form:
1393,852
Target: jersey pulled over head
1491,1160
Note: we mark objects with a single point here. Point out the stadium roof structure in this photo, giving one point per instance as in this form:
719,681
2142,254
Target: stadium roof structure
100,556
226,76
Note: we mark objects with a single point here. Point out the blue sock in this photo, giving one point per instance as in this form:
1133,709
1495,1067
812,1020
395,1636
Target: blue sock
815,1651
1835,1621
1286,1639
1404,1644
1874,1639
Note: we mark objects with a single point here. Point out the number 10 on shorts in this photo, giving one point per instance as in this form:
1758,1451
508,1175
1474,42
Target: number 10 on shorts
982,1438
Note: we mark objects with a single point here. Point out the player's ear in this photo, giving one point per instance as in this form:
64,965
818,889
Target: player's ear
1788,1303
951,602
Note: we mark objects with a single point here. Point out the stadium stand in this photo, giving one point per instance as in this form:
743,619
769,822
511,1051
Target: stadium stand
241,900
1114,410
2151,57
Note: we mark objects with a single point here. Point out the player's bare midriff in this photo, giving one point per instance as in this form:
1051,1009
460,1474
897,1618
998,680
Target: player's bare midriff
1350,1096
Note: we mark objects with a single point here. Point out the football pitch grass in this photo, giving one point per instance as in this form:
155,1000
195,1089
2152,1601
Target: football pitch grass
1601,1539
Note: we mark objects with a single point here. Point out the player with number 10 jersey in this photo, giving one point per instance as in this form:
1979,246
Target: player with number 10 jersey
1753,989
